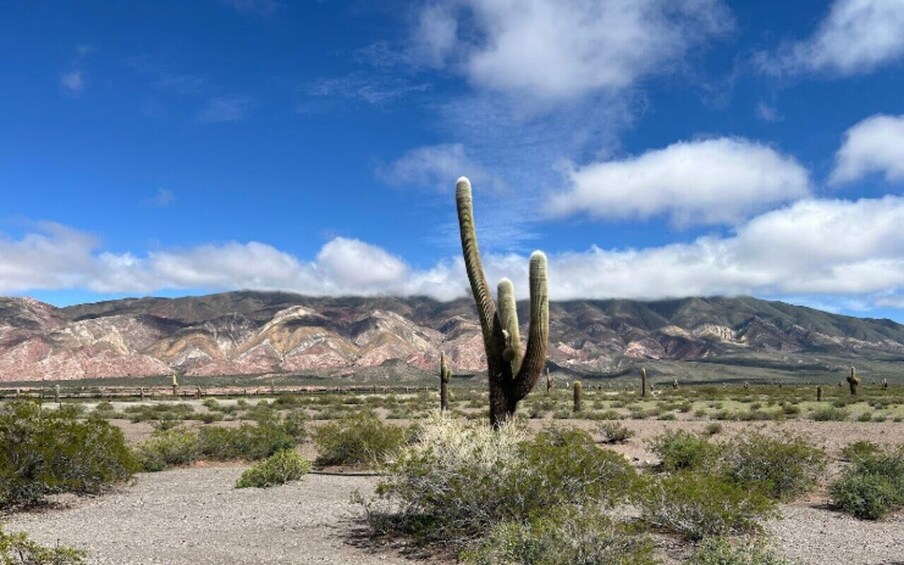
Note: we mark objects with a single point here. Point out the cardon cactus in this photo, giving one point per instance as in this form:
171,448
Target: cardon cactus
853,381
445,376
578,390
643,382
550,381
511,376
819,394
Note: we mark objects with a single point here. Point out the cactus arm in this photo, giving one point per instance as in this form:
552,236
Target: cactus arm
538,334
508,316
486,309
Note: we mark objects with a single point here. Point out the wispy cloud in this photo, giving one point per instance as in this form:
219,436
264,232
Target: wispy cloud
222,109
373,88
435,167
767,113
855,37
73,81
162,199
260,7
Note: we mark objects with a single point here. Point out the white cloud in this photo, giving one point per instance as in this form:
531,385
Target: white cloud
224,109
432,166
73,81
550,49
163,198
856,37
848,251
713,181
874,145
767,113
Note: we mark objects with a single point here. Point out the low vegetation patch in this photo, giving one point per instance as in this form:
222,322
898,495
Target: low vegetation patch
683,450
718,551
18,549
873,486
358,440
278,469
782,468
613,432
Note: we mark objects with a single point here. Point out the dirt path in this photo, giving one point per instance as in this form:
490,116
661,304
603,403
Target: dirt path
194,516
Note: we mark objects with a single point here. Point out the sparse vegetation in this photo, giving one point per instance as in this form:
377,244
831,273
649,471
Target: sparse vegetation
873,485
278,469
19,549
359,440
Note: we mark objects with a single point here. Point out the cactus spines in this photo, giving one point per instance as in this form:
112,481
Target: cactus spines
511,376
578,391
853,381
819,394
643,382
445,375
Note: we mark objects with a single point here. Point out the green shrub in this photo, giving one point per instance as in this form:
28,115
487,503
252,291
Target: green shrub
461,479
872,486
565,535
683,450
718,551
712,429
278,469
781,468
829,415
358,440
168,447
16,549
45,452
697,505
249,442
613,432
860,449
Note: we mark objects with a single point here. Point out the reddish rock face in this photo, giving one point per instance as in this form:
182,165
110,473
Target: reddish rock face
253,333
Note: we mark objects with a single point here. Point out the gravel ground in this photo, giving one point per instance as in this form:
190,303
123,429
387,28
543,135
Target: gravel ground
194,516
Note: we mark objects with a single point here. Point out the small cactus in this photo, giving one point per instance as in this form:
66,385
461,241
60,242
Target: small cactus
56,393
819,394
885,384
675,383
175,385
550,381
643,382
578,390
853,381
445,376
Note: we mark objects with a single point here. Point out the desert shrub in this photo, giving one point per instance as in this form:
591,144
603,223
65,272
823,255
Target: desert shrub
860,449
829,415
248,441
872,486
613,432
45,452
779,467
357,440
697,505
18,548
718,551
683,450
461,479
564,535
865,416
278,469
168,447
712,429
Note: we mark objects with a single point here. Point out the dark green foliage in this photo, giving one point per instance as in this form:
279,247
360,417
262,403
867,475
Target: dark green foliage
683,450
718,551
697,505
280,468
782,468
829,415
873,485
19,549
860,449
45,452
247,441
358,440
566,534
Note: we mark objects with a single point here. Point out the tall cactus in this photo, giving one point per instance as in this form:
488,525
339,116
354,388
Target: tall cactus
643,382
445,375
853,381
511,376
578,394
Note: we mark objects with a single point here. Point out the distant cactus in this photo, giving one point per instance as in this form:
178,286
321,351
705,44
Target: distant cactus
175,385
675,383
578,390
885,384
819,394
445,376
643,382
853,381
550,381
511,376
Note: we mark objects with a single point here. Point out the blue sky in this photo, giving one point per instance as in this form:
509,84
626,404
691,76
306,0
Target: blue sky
652,148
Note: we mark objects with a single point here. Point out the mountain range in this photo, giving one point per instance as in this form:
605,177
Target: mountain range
266,333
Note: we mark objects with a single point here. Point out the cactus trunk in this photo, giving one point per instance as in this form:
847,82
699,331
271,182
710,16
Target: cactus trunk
643,382
445,375
853,381
511,376
578,396
819,394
